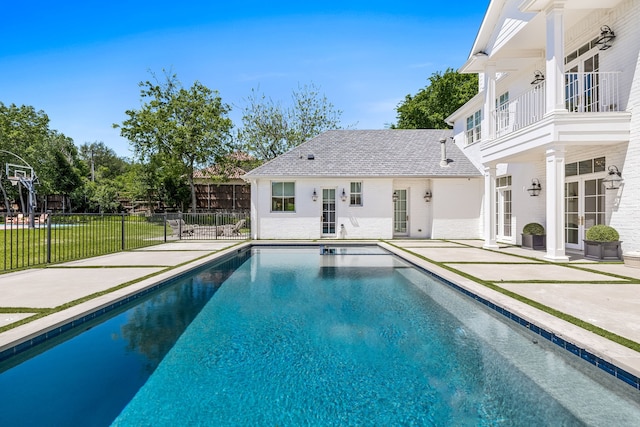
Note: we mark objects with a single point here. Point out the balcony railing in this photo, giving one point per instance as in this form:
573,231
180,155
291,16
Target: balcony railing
584,93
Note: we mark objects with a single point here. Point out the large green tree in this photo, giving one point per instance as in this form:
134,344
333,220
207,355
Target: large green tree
189,126
445,93
25,132
270,128
102,162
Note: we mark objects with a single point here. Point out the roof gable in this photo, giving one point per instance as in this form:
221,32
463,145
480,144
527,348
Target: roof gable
370,153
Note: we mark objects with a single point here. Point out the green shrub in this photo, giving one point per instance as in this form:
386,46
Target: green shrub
533,228
602,233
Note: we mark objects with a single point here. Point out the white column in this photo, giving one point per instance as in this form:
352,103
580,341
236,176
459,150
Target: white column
489,125
554,75
490,207
555,204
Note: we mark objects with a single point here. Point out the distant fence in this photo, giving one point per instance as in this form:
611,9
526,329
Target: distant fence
55,238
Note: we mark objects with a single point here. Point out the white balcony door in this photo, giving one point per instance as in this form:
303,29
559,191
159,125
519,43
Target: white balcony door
582,83
584,207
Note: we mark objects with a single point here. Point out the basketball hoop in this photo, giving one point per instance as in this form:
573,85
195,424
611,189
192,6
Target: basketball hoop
19,173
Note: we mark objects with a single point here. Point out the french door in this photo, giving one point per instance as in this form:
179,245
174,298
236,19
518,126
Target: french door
584,208
400,213
582,83
504,213
328,211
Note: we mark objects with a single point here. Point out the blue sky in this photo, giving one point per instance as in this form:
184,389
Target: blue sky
81,62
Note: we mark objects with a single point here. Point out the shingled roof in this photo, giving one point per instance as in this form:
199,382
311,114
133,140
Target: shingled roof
370,153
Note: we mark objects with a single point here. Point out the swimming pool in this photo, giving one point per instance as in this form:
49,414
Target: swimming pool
289,336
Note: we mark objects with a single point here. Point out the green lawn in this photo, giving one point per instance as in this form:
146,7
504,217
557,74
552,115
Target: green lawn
80,237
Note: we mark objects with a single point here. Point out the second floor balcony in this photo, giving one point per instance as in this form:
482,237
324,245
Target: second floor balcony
594,92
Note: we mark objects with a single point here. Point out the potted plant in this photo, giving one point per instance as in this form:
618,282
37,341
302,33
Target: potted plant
602,243
534,237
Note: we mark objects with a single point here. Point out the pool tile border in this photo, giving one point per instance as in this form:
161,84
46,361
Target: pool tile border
584,354
52,333
58,330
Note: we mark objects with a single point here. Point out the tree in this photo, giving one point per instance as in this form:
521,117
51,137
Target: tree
67,179
444,94
22,130
189,126
270,129
102,162
53,156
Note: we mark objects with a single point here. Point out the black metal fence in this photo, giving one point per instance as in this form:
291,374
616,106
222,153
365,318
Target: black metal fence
213,225
55,238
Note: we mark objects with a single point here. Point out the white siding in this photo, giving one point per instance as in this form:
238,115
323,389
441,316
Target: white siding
456,208
623,206
457,217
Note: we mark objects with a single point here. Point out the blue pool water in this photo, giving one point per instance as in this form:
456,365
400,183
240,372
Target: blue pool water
293,337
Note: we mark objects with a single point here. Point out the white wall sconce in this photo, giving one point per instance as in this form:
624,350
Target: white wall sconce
613,179
395,196
535,188
343,196
314,196
606,37
538,77
427,196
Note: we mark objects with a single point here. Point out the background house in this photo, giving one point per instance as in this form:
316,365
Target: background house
558,105
368,184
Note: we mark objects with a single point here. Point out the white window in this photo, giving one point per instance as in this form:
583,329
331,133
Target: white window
355,198
283,197
502,112
474,130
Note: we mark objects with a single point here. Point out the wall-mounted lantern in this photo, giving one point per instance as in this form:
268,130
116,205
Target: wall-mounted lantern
614,179
395,196
314,196
535,188
343,196
606,37
427,196
538,77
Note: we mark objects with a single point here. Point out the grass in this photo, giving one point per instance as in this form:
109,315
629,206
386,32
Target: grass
79,237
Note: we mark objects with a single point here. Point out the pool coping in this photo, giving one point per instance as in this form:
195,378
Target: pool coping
613,358
23,337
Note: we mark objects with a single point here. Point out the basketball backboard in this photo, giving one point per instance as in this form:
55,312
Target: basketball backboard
16,173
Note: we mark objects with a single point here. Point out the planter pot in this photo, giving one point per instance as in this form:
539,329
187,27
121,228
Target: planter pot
605,251
535,242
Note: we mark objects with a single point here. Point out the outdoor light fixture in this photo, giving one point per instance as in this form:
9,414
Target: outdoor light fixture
343,196
535,188
314,196
606,37
614,179
395,196
427,196
538,77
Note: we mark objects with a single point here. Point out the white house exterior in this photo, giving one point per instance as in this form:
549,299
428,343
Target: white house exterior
559,104
357,184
